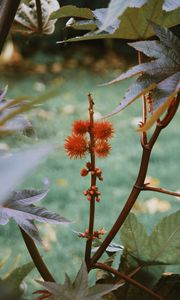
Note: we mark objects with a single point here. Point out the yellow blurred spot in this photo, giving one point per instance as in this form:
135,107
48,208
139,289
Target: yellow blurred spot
152,181
62,182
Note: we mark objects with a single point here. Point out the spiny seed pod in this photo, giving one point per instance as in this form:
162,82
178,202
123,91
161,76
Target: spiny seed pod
103,130
80,127
102,149
76,146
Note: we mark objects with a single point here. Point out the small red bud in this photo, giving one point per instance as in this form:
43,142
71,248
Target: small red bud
85,193
98,199
94,187
91,192
89,198
84,172
100,178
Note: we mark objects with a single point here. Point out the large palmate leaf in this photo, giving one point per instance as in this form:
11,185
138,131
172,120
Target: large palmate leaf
19,206
115,9
161,76
10,285
134,238
124,20
161,247
76,290
164,242
15,166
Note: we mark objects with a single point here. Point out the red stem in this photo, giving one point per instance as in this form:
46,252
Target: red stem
159,190
128,279
36,257
93,181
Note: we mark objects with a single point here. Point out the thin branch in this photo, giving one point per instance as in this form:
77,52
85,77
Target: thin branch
39,15
159,190
8,11
36,257
170,112
93,181
128,279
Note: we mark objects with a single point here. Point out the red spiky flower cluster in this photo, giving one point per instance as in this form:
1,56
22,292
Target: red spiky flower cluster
77,145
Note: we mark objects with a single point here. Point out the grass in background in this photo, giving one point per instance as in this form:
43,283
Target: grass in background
52,122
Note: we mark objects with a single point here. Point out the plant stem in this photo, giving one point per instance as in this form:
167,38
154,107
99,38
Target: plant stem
93,181
159,190
132,197
39,15
36,257
128,279
8,10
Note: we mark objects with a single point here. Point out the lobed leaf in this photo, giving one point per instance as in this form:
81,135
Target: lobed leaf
164,242
78,289
72,11
115,9
134,238
130,27
25,213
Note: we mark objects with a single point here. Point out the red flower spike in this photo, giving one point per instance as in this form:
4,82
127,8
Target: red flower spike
84,172
76,146
80,127
103,130
102,149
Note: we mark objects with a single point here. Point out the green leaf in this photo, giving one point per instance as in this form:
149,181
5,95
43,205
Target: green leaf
115,9
134,238
72,11
134,24
19,206
16,166
78,289
10,286
164,242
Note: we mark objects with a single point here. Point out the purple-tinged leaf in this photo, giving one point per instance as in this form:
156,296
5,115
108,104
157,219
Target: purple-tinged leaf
78,289
167,38
159,77
3,92
150,48
26,197
171,5
24,213
164,89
